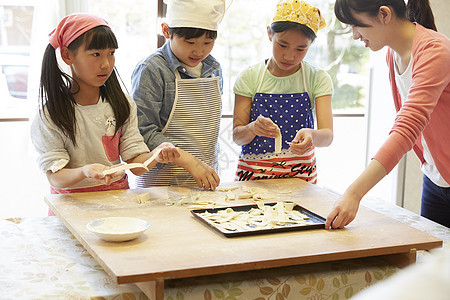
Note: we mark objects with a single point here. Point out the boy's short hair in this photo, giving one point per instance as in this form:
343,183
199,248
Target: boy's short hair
192,33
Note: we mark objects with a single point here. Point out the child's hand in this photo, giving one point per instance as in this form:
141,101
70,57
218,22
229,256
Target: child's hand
265,127
303,141
95,172
204,175
168,153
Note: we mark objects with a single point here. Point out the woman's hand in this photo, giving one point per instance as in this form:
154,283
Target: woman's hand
346,207
343,212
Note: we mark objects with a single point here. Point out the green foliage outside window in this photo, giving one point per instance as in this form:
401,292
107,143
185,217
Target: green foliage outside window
243,42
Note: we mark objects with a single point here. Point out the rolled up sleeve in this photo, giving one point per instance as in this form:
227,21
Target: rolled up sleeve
49,143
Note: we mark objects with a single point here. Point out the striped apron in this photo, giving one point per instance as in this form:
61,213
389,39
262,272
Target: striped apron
291,112
193,126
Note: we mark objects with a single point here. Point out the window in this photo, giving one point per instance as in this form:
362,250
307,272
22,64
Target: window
15,41
135,25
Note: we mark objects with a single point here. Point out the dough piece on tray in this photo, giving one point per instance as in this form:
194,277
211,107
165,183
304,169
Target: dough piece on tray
230,195
264,217
281,216
245,195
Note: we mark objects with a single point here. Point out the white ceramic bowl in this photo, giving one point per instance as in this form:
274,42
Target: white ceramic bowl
118,229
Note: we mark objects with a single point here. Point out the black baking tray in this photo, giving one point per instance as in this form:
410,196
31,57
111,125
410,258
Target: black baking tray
314,222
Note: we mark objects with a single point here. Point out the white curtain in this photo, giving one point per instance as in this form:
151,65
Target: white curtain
46,16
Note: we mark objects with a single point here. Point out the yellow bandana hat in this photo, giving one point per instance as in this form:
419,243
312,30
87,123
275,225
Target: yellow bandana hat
299,12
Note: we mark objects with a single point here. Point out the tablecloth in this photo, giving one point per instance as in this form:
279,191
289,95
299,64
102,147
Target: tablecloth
41,259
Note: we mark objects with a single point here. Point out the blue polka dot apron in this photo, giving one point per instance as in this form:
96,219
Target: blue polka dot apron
291,112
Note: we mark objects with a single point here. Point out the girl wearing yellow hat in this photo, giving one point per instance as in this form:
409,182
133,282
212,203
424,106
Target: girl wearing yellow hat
275,102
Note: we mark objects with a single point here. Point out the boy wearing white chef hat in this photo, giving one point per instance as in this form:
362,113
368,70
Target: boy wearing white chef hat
177,90
204,14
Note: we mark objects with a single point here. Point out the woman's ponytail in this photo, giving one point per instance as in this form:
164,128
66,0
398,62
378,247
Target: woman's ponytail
419,11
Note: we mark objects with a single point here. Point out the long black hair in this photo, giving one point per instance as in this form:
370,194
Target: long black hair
57,88
280,26
415,11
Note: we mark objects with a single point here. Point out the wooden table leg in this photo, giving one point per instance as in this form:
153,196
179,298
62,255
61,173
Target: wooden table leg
401,260
152,289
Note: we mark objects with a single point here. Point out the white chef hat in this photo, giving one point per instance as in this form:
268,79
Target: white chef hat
203,14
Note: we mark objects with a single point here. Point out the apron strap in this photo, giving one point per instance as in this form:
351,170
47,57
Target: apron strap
177,77
264,72
304,79
262,77
177,74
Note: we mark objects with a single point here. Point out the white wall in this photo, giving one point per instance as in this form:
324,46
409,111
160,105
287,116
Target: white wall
441,9
380,117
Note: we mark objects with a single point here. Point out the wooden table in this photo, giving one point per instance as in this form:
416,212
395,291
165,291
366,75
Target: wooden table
177,245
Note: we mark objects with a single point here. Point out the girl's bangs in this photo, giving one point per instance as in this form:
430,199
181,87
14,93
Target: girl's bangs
100,37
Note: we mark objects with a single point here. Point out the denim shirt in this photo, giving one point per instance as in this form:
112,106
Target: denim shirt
153,90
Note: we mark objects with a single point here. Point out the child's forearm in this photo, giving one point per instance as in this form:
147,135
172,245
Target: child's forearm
65,177
188,161
141,158
185,160
203,175
322,137
244,134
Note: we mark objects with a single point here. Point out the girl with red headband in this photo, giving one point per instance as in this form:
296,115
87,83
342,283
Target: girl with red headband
86,124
